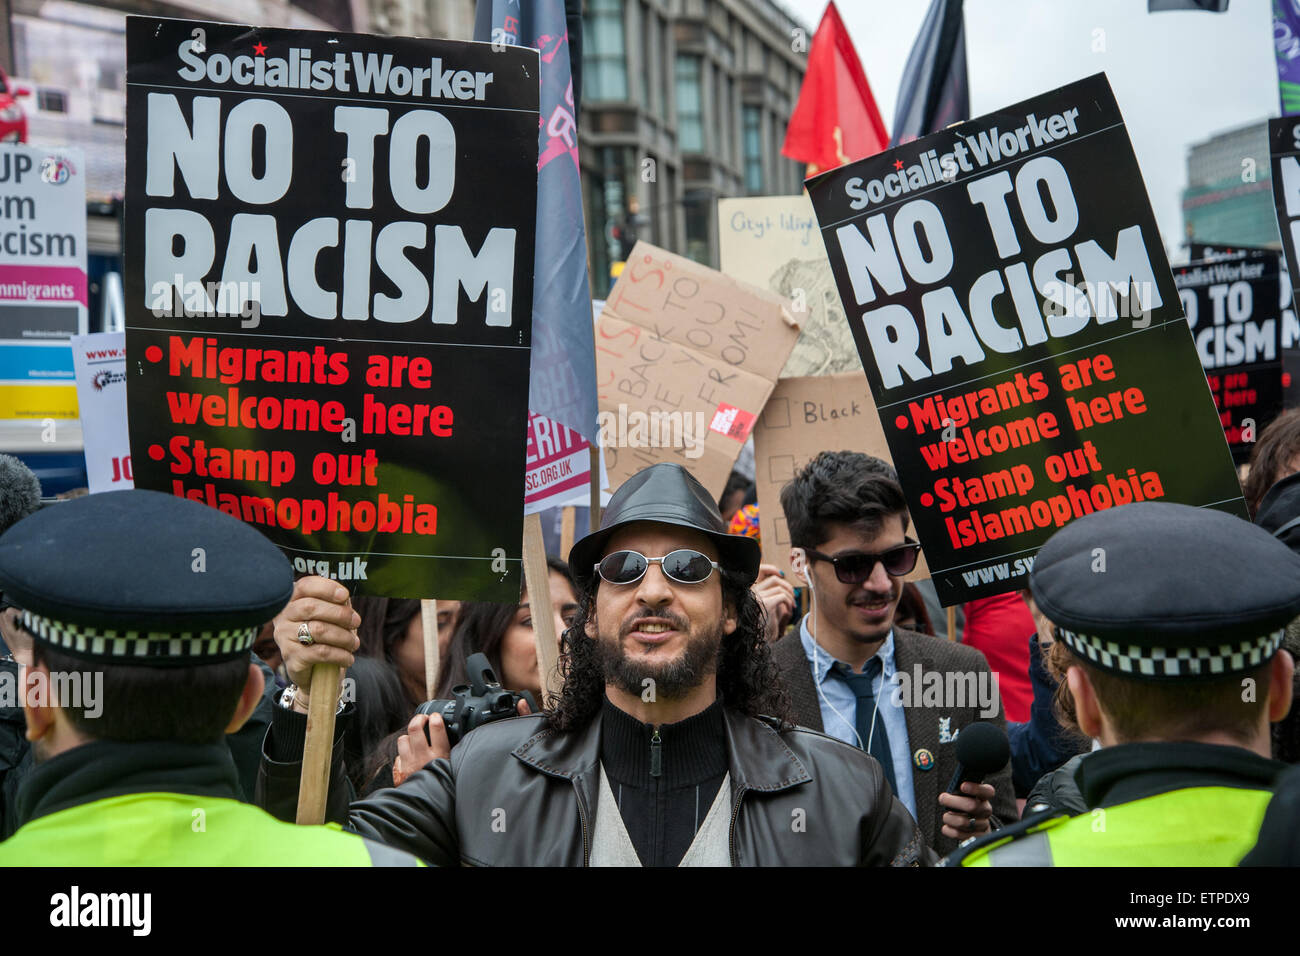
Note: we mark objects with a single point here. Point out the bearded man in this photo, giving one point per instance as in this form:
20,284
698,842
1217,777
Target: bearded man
666,746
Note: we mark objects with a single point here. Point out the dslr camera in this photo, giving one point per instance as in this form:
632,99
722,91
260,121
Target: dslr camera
479,702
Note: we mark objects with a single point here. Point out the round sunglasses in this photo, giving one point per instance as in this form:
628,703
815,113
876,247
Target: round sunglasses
683,566
856,568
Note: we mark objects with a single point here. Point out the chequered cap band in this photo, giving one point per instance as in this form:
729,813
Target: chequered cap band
137,645
1173,661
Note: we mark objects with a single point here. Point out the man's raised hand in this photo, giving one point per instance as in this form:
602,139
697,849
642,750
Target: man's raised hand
324,606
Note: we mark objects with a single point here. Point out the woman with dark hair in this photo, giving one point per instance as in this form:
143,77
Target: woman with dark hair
1276,455
392,630
370,740
911,613
504,633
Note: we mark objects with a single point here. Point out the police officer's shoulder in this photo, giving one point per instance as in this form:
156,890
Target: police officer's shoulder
995,839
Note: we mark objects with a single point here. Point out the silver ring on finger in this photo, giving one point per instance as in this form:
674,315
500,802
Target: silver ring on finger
304,634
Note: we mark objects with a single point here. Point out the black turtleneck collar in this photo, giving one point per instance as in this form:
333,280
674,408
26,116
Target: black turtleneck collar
691,751
1114,775
109,768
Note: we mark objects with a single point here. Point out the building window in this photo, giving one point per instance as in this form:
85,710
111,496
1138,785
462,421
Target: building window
753,117
699,209
604,55
690,105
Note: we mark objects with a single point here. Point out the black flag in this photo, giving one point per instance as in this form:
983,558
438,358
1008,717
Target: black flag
934,92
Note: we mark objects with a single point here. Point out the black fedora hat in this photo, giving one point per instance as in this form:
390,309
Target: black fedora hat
668,494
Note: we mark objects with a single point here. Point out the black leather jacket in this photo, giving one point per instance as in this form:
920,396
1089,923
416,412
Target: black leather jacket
515,793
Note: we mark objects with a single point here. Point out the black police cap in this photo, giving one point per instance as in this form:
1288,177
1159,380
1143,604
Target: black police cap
1160,591
142,577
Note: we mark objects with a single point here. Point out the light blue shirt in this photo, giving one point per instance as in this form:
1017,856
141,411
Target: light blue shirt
835,695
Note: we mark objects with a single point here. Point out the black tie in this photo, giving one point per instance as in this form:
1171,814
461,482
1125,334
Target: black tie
860,684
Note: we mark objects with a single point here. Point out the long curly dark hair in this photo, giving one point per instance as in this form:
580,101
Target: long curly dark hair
747,678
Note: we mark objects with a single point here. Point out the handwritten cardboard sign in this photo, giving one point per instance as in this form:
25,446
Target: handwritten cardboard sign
805,416
686,358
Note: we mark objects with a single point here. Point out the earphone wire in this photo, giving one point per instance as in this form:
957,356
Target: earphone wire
871,733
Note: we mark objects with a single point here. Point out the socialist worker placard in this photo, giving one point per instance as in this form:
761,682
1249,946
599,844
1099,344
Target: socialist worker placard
329,241
1022,334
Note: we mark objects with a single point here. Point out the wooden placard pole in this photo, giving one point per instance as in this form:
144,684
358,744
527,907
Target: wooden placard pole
429,618
595,491
537,579
322,705
952,622
568,520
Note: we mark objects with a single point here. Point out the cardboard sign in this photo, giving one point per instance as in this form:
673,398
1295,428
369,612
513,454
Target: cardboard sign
100,363
1231,307
1046,371
685,359
328,309
805,416
773,242
558,466
43,297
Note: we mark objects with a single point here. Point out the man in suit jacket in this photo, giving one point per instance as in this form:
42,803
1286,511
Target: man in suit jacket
902,696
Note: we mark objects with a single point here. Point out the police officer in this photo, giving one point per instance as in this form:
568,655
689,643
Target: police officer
1169,619
141,609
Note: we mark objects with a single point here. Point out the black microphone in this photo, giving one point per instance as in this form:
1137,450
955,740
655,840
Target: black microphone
982,748
20,492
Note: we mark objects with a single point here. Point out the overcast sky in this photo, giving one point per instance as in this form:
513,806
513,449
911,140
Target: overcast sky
1179,77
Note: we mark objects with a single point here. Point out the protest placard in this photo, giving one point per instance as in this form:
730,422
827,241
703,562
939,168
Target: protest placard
43,294
1215,252
1232,310
100,363
802,417
1047,371
685,359
328,309
558,466
773,242
1284,160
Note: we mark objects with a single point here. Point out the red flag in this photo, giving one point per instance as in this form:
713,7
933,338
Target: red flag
836,120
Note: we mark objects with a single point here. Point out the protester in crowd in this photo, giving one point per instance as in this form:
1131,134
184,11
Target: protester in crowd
393,630
848,522
1041,744
1171,663
654,754
733,496
999,627
911,614
1276,454
504,634
1279,514
382,713
776,594
132,765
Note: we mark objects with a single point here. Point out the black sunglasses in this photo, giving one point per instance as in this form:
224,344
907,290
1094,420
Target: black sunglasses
683,566
856,568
